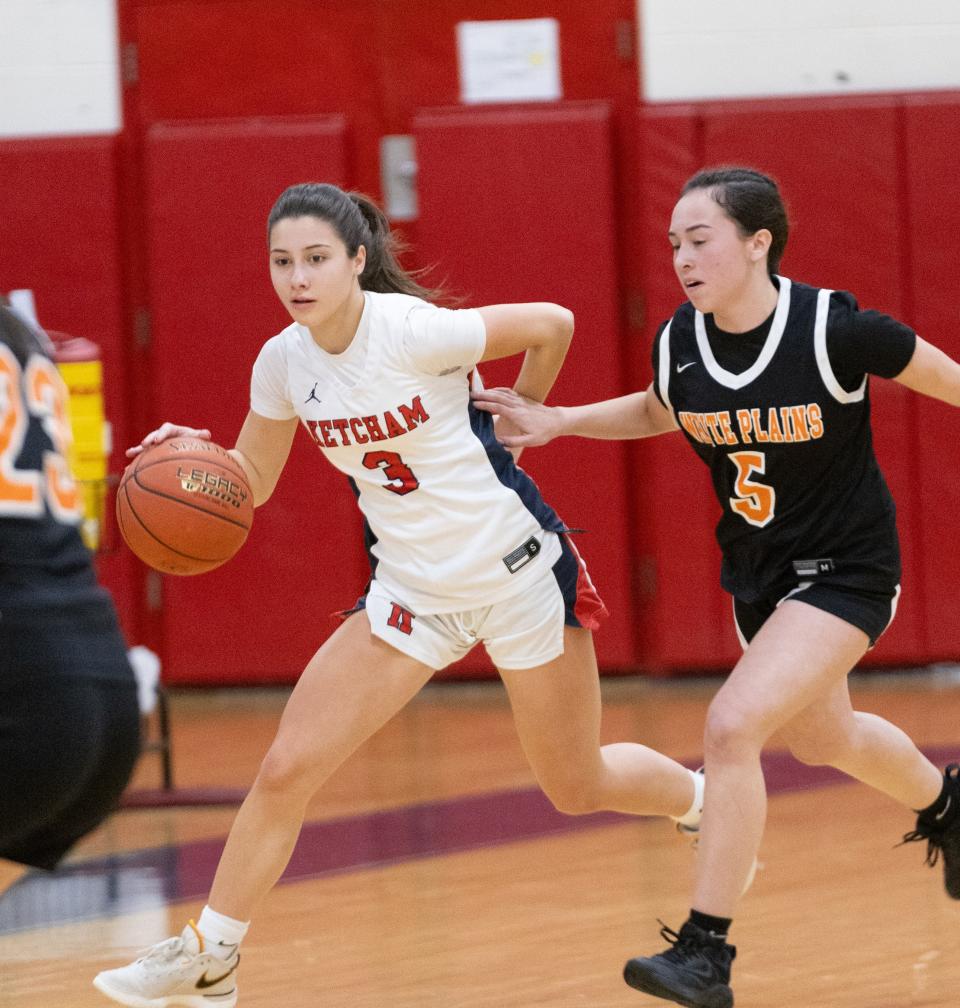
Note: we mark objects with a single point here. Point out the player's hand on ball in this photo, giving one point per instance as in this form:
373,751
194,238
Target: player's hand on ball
523,422
168,430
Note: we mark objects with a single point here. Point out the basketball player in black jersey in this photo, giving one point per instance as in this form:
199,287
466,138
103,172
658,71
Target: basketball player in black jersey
69,717
768,381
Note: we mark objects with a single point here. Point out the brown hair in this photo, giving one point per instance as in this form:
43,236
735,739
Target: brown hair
751,200
358,221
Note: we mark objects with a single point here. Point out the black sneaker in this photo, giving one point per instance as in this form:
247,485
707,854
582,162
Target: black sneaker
694,972
942,833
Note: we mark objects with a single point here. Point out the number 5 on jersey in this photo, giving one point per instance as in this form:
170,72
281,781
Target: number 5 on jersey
754,501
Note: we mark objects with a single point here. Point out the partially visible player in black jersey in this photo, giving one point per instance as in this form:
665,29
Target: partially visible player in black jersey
768,381
69,718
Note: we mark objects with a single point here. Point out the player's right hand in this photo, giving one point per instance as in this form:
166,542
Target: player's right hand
165,431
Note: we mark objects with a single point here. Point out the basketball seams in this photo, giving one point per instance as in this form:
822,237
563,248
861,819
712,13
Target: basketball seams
186,503
199,499
133,513
225,461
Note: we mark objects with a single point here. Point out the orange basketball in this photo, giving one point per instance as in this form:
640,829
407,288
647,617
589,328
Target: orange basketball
184,506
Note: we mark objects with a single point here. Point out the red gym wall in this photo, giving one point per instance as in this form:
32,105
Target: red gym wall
157,253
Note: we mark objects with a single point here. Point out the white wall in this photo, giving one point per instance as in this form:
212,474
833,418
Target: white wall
59,74
694,49
58,67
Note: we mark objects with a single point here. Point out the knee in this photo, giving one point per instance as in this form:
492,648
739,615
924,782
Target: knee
573,797
730,732
283,771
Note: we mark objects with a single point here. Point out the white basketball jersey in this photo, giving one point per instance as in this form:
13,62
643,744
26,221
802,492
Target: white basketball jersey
452,522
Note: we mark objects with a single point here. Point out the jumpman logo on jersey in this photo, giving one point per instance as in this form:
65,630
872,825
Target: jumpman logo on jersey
313,394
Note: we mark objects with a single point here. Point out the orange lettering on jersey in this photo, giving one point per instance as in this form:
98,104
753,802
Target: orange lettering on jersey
48,400
746,425
728,436
710,424
784,425
688,423
703,428
762,436
815,419
18,489
799,431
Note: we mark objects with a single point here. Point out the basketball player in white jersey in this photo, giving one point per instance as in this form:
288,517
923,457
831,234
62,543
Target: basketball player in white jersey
462,550
767,379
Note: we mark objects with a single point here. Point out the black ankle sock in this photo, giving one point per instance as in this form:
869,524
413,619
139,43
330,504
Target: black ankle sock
946,805
719,927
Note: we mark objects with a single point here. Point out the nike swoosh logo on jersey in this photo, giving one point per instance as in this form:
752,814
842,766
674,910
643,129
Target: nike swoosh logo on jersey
203,982
683,367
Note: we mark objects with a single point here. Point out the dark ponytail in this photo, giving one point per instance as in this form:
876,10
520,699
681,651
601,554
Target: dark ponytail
358,221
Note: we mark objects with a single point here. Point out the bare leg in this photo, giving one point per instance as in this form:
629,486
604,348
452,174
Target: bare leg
352,686
798,655
831,733
556,708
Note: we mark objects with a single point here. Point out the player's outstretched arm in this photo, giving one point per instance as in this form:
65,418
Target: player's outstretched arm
932,373
638,415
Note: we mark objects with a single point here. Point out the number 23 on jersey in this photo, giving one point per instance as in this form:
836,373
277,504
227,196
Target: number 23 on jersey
23,491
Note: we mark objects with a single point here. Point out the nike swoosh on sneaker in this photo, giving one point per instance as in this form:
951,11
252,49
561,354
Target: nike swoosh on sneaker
204,982
946,808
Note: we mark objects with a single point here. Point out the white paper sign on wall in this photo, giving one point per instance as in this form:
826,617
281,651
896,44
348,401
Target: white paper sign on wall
505,61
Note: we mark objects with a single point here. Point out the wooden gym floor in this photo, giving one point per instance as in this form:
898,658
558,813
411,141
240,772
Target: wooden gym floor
432,873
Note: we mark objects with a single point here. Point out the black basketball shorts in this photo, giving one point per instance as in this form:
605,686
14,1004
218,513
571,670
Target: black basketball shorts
870,611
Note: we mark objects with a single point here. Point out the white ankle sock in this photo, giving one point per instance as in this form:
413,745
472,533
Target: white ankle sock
219,930
692,816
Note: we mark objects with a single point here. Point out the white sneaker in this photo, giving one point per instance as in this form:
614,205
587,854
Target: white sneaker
174,972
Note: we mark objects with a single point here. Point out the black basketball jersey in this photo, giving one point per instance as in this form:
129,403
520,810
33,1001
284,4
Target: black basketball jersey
785,430
43,560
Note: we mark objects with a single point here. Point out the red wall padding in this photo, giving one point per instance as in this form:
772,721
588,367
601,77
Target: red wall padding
683,616
373,62
58,205
210,187
932,247
517,205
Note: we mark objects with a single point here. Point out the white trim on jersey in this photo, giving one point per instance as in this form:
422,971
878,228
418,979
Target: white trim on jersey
664,375
823,358
893,607
744,643
738,381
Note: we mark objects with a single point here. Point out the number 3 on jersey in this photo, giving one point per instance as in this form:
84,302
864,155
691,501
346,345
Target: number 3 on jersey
754,501
22,490
398,473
